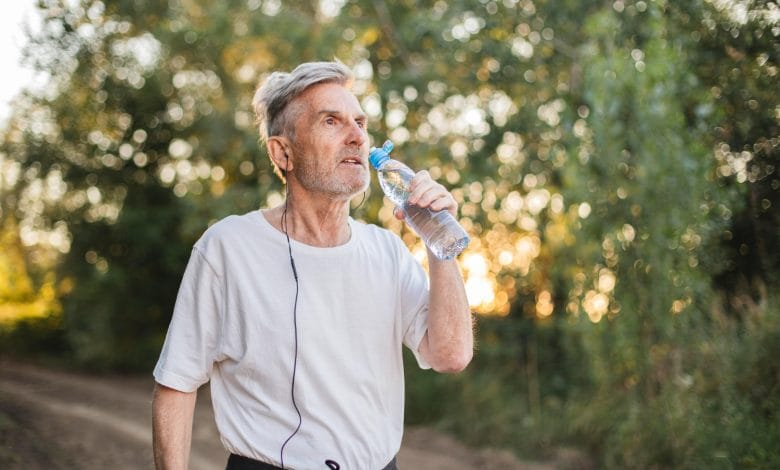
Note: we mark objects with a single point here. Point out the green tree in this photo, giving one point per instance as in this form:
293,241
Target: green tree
30,313
615,163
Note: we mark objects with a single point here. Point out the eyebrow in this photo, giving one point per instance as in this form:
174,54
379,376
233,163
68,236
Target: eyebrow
359,117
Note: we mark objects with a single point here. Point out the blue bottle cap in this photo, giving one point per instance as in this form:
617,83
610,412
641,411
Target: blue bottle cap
377,156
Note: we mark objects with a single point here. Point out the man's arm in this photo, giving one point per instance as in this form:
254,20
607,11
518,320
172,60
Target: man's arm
448,345
172,413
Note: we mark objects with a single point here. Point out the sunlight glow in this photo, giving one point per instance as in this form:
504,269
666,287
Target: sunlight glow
479,291
544,304
595,305
607,280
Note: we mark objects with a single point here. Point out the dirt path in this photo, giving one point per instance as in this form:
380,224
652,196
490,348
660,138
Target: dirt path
57,420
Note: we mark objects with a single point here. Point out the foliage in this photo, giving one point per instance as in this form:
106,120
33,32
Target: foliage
615,163
30,320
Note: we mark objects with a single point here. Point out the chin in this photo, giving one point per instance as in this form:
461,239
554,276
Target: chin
358,185
348,190
363,188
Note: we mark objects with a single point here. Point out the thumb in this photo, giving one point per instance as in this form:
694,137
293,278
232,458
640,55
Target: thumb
399,213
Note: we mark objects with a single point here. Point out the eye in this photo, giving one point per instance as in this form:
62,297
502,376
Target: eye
361,123
330,120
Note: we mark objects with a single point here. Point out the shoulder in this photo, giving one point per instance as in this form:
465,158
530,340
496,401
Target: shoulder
219,230
374,232
379,237
229,230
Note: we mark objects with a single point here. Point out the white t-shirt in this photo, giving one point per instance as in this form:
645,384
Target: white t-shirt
233,325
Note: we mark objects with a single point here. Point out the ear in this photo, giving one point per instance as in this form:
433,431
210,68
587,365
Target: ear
279,151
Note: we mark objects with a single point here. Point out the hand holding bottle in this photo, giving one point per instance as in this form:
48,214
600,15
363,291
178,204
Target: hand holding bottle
425,205
426,192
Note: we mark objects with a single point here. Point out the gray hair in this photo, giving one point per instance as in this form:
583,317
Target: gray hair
271,100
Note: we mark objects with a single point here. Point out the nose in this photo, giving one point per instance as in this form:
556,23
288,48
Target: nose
357,134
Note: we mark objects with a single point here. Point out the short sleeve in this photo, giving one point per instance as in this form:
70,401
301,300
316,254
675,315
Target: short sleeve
192,342
414,295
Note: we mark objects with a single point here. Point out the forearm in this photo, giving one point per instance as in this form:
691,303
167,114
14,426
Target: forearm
172,413
450,337
448,345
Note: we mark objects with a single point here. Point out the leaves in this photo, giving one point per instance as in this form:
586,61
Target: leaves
615,164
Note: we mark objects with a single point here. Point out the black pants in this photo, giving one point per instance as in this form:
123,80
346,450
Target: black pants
238,462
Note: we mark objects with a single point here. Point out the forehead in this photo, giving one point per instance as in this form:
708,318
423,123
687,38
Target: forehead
331,96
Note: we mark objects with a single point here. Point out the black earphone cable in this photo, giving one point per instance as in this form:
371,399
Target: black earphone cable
331,464
295,329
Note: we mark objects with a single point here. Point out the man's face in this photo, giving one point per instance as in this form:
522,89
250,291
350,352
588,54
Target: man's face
331,142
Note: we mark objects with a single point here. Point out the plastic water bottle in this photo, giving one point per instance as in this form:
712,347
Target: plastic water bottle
440,232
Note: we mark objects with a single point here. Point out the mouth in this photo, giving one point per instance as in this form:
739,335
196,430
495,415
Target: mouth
353,161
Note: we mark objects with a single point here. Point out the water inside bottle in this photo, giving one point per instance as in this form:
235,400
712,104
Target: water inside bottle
444,243
448,249
395,186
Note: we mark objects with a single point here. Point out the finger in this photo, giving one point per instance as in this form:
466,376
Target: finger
399,213
445,204
421,177
426,191
421,185
423,196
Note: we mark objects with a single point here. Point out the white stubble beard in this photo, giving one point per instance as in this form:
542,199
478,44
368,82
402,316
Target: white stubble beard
316,180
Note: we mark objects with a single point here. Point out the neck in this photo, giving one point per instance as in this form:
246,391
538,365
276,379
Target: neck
318,222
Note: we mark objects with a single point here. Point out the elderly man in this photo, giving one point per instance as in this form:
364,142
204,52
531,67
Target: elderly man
297,314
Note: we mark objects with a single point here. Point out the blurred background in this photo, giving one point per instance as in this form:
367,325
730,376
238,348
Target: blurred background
616,163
